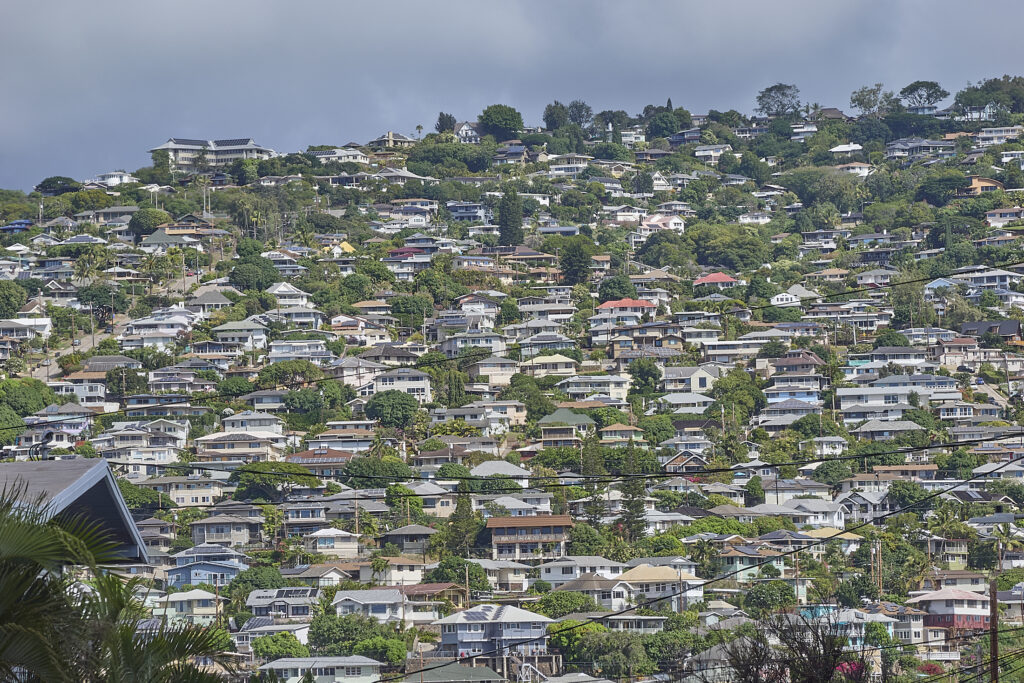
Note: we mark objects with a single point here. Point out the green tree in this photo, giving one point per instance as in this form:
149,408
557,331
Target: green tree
372,471
452,569
391,650
278,645
57,185
559,603
616,287
556,115
145,221
754,492
445,123
907,493
54,632
923,93
510,219
270,480
580,113
256,578
646,376
889,337
127,381
769,596
662,125
574,262
501,121
779,100
12,298
142,498
392,408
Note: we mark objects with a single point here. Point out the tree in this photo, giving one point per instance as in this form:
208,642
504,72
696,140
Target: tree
256,578
278,645
141,498
12,298
923,93
127,381
890,337
144,221
580,113
633,520
510,219
662,125
643,183
574,262
871,100
832,472
331,635
559,603
463,525
501,121
769,596
254,274
616,287
646,376
269,480
392,408
907,493
453,569
56,632
556,115
445,123
391,650
754,492
371,471
779,100
57,185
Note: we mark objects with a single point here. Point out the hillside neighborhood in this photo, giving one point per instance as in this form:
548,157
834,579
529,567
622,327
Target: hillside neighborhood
606,397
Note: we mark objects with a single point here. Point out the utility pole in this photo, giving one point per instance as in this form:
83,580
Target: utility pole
993,632
467,583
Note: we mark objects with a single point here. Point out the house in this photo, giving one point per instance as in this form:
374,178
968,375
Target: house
529,538
227,530
486,629
412,538
572,567
663,585
206,563
407,380
195,607
351,669
287,603
504,575
332,542
954,608
611,594
719,280
710,154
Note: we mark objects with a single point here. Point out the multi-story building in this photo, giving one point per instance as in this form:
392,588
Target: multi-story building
529,538
190,155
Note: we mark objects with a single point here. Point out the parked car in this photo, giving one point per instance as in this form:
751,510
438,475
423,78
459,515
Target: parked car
76,342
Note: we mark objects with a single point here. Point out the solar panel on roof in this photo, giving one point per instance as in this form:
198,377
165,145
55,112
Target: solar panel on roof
232,142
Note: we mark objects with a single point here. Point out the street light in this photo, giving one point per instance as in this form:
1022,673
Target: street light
38,448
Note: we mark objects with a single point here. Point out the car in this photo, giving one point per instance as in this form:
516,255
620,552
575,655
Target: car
109,329
964,368
978,380
45,362
76,342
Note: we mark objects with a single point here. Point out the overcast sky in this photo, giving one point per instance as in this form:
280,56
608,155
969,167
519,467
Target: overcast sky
90,87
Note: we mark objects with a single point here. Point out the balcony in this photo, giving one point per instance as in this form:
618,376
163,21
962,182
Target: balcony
531,538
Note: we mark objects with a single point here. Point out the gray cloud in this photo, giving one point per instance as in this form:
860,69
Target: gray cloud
89,87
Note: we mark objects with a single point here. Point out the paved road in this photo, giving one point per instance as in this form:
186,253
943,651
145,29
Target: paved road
990,391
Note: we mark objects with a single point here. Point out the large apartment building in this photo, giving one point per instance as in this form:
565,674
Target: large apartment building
187,154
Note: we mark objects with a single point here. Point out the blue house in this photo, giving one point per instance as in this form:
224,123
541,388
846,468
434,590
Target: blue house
16,226
206,563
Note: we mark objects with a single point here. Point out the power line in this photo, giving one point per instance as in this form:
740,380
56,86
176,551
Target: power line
497,651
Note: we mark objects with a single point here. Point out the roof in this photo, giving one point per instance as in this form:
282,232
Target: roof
415,529
948,594
455,672
626,303
646,572
83,487
493,613
535,520
318,662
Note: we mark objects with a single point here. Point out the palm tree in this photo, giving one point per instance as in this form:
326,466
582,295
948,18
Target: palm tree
1005,537
704,554
54,629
